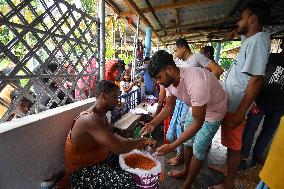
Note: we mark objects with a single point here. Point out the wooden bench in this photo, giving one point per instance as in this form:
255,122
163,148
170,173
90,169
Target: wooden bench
126,124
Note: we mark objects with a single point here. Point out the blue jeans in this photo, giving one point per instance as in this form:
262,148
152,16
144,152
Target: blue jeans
176,124
270,124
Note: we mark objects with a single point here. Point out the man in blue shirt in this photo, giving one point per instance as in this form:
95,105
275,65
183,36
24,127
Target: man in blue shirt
243,83
149,82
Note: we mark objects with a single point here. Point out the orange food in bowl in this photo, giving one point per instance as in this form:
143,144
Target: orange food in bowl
139,161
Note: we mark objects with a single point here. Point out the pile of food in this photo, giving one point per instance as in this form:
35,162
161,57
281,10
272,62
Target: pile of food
139,161
143,166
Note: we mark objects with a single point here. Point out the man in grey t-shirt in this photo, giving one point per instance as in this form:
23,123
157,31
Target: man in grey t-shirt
243,84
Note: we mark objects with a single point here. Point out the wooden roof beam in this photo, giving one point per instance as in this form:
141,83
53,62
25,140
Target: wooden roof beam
185,37
201,41
113,7
153,12
180,4
134,8
204,38
117,11
197,34
177,21
176,17
194,31
221,20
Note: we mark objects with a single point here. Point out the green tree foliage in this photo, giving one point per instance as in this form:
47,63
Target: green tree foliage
125,58
226,46
112,26
110,49
90,6
226,63
193,47
4,35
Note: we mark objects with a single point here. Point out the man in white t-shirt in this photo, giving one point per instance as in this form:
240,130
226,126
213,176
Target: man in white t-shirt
198,88
243,84
186,58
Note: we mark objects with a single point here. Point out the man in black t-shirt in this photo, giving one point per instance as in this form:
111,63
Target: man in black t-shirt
270,105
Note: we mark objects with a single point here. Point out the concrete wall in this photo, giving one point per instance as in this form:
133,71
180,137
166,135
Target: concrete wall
32,148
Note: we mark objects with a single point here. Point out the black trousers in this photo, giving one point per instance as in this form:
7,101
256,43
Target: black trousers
105,175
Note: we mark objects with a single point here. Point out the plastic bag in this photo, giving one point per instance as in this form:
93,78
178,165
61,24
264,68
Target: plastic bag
144,178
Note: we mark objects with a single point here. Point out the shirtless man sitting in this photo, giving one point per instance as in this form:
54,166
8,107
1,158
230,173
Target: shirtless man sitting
89,142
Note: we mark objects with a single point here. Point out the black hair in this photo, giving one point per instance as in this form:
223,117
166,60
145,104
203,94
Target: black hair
121,62
159,60
210,50
105,86
125,75
52,67
25,99
182,43
260,9
146,58
15,94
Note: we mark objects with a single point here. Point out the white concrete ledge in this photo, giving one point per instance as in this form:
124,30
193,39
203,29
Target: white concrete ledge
32,147
10,125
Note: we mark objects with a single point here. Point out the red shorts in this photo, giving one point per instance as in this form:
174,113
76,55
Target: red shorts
231,137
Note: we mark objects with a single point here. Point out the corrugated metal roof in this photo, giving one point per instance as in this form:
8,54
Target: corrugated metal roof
159,2
195,19
141,3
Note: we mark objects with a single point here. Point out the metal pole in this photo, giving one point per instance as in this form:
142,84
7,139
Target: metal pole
218,50
135,49
148,37
121,37
121,41
98,55
113,35
102,38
